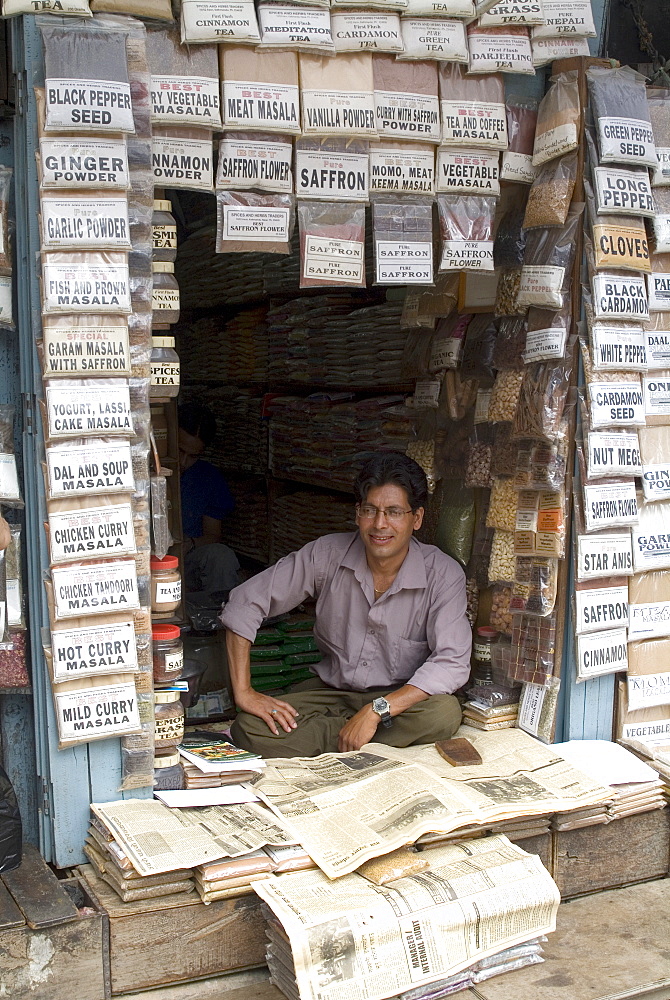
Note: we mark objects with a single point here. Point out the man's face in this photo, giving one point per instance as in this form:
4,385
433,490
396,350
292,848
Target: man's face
383,536
190,448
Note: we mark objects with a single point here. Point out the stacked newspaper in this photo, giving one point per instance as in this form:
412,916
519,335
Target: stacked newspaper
480,908
234,876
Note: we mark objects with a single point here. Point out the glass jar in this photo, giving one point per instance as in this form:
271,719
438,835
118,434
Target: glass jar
159,426
168,773
482,669
169,720
164,230
164,369
165,295
165,585
168,653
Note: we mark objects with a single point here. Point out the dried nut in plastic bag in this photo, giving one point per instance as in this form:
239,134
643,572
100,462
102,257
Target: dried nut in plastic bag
397,864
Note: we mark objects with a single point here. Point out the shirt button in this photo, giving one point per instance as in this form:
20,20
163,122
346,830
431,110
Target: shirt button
372,631
365,663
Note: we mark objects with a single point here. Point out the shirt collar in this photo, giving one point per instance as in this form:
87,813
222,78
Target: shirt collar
411,575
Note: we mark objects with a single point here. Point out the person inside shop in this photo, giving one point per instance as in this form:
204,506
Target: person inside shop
211,569
390,623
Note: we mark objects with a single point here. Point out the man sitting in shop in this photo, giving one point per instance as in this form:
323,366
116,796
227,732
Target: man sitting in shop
390,623
211,569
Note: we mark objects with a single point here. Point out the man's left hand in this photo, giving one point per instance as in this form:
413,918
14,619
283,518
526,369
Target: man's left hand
360,729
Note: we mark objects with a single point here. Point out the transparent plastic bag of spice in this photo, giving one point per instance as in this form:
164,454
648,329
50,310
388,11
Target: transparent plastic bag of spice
540,523
510,344
448,342
507,293
558,119
466,225
548,260
510,240
480,341
618,242
547,334
551,193
458,397
478,469
517,160
534,586
156,10
332,244
247,222
451,446
403,241
542,399
14,580
478,567
505,396
456,522
542,465
621,112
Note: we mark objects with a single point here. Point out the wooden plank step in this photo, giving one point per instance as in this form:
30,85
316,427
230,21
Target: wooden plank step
38,893
10,914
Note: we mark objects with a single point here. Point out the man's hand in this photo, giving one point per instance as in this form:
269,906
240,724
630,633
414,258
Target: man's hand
271,710
360,729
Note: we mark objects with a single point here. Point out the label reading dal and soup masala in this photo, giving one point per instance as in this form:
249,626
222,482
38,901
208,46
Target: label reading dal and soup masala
85,469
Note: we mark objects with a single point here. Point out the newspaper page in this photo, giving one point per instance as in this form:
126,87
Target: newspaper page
347,808
353,940
158,839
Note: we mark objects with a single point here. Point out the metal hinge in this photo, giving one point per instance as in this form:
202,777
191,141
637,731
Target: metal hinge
19,93
44,796
28,413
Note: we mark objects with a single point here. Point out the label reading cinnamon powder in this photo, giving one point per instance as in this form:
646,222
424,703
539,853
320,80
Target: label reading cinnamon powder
182,163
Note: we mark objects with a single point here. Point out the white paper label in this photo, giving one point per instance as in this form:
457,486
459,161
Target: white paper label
88,106
468,172
446,353
447,8
14,605
90,469
6,316
482,405
265,166
514,13
554,142
434,39
269,107
99,649
474,123
164,237
94,531
79,8
546,50
375,32
183,163
620,298
407,116
656,481
404,263
616,404
167,592
541,345
626,140
475,255
604,555
333,112
651,539
95,590
566,17
174,662
331,176
623,192
616,349
84,163
656,396
648,690
613,454
394,170
335,260
649,621
249,224
659,292
661,226
85,224
661,174
541,285
85,287
164,373
86,411
9,483
295,27
650,733
497,53
609,504
164,300
530,708
601,653
86,350
601,608
518,167
427,393
190,100
104,711
207,21
658,348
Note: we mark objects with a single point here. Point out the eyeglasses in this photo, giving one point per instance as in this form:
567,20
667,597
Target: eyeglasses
368,512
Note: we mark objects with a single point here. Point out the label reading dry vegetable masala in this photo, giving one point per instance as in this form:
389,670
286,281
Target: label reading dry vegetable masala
192,100
84,163
613,454
86,411
623,192
474,123
617,349
601,653
404,172
407,116
620,298
88,106
269,107
83,469
616,404
604,555
468,171
651,733
85,287
334,260
99,649
401,263
85,224
94,531
95,590
609,504
264,166
182,163
110,711
331,176
601,608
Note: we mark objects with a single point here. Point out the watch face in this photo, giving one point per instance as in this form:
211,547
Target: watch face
380,705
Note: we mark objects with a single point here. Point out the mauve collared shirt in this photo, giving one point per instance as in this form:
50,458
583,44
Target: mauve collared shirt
417,632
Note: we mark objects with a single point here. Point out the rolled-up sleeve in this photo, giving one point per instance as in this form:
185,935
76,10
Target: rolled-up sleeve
449,636
273,592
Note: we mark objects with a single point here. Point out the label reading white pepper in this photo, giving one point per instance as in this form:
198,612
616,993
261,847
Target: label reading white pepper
404,263
336,260
95,590
192,100
617,349
404,172
84,163
601,653
601,608
99,649
183,163
265,166
331,176
88,106
607,505
98,467
474,123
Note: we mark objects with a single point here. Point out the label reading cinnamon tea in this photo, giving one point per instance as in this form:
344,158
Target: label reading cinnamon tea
207,21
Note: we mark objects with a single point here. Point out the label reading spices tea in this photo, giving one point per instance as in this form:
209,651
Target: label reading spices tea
88,106
269,107
85,287
473,255
85,411
626,140
95,590
99,649
474,123
613,454
404,263
207,21
617,349
619,298
648,691
623,192
164,373
255,225
334,260
265,166
84,163
183,163
616,404
541,345
609,504
94,531
602,653
604,555
376,32
465,171
661,174
649,621
407,116
98,467
331,176
332,112
192,100
656,481
659,292
394,170
601,608
85,224
100,711
518,167
622,247
656,396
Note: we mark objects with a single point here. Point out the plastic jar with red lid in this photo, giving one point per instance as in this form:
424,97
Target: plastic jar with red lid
165,584
168,653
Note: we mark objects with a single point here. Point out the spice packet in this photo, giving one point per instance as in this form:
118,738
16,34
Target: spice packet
618,242
243,70
510,344
558,119
500,50
540,523
403,242
657,99
406,101
332,244
323,84
441,39
466,225
472,108
184,81
551,193
517,160
649,606
183,158
247,221
549,256
651,536
548,50
543,398
621,113
212,20
248,160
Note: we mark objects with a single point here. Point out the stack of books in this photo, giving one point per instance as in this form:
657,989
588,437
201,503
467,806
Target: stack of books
211,761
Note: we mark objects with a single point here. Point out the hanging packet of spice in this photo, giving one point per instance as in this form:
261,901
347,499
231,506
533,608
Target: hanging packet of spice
658,100
619,190
466,225
86,79
661,221
546,334
218,20
657,334
510,241
656,389
542,399
328,169
659,283
96,221
558,119
549,255
510,344
64,8
473,108
356,30
249,160
548,50
247,77
651,537
617,346
619,242
517,160
551,193
649,612
432,38
247,222
156,10
6,308
566,17
305,29
183,158
507,293
480,341
433,8
468,171
406,99
95,281
500,50
540,523
5,182
184,81
621,113
528,12
81,162
337,95
403,242
655,452
619,297
332,244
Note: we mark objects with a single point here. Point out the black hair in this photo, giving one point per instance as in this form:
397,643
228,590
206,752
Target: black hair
198,420
392,468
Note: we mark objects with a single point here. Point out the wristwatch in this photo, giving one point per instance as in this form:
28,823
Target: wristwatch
383,710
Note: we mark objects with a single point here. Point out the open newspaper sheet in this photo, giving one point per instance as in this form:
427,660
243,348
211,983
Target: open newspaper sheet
353,940
347,808
158,839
